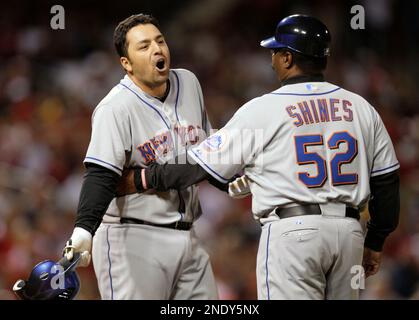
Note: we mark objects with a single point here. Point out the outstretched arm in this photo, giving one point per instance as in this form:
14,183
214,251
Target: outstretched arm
165,177
169,176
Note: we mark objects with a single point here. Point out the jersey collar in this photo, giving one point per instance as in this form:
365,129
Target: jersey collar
303,78
155,100
166,93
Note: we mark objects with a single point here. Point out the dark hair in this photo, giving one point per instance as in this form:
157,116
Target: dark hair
308,65
120,34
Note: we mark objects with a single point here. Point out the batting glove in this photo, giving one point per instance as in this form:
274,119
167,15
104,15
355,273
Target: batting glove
80,242
239,188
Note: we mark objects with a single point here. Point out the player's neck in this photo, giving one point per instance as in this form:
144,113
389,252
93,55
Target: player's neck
303,78
160,92
166,93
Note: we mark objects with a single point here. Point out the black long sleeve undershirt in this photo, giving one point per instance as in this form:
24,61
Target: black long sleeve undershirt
384,208
97,192
177,176
174,176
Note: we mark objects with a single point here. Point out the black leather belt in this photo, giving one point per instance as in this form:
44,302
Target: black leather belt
310,209
178,225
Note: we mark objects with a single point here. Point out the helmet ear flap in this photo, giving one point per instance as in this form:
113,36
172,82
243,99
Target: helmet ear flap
19,289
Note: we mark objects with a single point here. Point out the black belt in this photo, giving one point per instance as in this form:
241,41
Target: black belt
178,225
310,209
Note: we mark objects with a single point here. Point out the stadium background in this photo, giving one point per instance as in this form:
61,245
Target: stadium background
50,82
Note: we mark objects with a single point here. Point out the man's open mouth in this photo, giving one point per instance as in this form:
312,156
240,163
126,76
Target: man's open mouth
160,65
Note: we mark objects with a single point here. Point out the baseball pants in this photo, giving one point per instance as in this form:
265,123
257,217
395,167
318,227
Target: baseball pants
309,257
134,262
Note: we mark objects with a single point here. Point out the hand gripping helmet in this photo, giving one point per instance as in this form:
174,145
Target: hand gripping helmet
50,280
301,33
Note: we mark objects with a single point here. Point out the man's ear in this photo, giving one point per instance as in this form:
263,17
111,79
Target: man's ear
126,64
288,59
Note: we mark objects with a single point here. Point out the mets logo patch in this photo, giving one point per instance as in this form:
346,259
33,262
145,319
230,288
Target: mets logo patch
215,142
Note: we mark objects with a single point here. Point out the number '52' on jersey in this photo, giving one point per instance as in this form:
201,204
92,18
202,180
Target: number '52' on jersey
306,142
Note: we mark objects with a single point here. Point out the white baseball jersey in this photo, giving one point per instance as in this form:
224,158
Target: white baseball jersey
303,143
131,129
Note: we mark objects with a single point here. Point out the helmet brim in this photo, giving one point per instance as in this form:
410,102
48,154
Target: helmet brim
271,43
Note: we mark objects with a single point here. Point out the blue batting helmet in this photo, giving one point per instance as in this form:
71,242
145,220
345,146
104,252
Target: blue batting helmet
50,280
300,33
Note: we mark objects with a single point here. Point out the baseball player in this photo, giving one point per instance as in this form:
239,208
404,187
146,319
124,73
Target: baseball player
324,155
145,247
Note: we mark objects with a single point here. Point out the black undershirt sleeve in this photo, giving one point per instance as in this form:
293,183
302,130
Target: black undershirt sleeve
176,176
173,176
384,208
97,192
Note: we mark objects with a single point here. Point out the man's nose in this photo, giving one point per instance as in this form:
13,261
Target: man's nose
156,47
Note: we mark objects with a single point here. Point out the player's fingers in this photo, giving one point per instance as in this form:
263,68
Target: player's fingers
234,186
85,259
239,188
245,182
241,184
69,250
69,253
370,269
374,269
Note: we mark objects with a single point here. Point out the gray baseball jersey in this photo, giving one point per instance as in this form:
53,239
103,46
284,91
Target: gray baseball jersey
131,128
338,142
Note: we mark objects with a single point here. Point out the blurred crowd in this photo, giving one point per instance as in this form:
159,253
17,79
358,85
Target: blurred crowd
50,82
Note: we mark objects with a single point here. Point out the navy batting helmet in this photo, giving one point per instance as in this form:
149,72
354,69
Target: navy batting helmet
50,280
301,33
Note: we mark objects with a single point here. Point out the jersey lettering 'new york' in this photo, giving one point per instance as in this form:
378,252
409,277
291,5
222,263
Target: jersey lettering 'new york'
131,128
163,144
306,142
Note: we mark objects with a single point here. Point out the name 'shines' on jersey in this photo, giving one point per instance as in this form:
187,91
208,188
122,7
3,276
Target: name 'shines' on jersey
320,110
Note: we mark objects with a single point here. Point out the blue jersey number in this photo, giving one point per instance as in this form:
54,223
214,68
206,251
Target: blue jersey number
305,157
